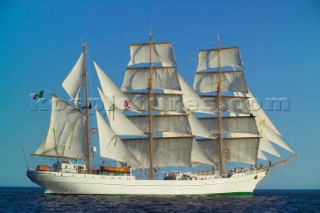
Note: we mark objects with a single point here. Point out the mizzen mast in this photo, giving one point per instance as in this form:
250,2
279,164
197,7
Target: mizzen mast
150,111
218,81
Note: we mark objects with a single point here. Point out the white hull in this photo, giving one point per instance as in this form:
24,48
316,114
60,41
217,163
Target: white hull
68,183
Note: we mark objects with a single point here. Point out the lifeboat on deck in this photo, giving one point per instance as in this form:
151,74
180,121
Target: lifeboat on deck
43,168
114,169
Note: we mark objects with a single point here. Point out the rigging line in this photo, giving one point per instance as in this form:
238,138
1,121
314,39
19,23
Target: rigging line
108,163
195,42
48,91
89,73
114,44
37,128
25,157
34,160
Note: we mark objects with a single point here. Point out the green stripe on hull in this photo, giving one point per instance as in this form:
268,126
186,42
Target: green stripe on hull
210,195
232,194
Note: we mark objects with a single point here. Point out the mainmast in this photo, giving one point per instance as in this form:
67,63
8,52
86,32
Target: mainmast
176,136
84,46
219,112
150,111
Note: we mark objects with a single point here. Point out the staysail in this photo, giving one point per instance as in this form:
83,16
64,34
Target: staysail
113,93
111,145
117,119
266,128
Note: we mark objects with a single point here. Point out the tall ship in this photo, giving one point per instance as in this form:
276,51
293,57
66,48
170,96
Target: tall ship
205,140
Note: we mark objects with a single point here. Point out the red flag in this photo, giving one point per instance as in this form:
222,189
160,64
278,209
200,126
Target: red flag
126,105
35,96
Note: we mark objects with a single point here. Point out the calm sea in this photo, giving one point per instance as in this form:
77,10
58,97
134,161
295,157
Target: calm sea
18,199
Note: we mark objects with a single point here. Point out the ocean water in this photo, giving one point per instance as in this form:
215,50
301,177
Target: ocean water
19,199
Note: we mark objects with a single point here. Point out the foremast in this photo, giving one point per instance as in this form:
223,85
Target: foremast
221,162
84,47
68,134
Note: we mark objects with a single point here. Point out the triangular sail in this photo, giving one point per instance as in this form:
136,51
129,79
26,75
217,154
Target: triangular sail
66,136
117,119
111,146
75,81
196,126
265,126
261,155
261,115
266,146
191,100
198,156
273,137
113,93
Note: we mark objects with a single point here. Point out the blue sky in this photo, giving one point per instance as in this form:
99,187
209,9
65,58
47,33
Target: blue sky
279,41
